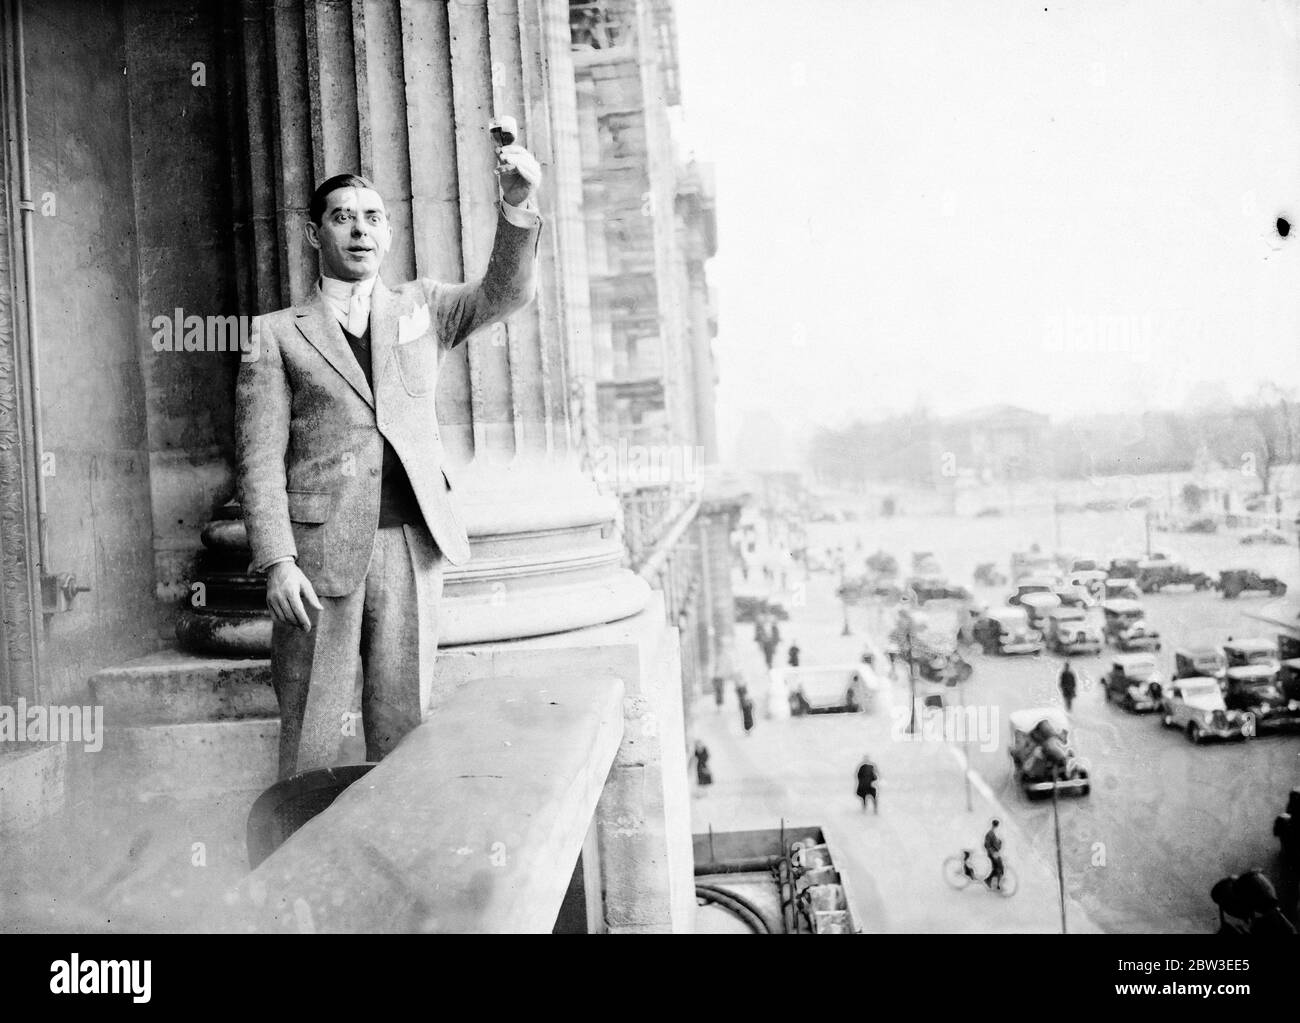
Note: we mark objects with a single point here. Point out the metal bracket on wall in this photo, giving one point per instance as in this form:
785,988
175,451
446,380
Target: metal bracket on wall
59,591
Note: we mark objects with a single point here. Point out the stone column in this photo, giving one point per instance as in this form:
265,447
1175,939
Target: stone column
404,93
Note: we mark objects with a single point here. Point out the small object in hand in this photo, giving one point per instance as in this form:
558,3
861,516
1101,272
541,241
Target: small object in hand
504,131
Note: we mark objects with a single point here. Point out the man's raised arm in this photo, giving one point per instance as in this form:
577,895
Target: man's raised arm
509,281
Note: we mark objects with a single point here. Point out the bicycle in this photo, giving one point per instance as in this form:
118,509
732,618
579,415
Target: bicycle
959,871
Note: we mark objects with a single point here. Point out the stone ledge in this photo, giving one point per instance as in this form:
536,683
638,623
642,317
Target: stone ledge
172,686
472,825
33,785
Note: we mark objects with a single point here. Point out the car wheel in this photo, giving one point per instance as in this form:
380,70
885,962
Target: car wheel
1194,734
1086,789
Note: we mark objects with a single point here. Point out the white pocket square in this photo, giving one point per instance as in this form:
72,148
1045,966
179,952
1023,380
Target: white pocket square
413,325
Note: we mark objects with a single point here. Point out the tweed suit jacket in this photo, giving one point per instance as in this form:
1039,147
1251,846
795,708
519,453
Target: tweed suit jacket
310,431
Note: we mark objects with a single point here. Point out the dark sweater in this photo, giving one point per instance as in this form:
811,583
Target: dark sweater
397,501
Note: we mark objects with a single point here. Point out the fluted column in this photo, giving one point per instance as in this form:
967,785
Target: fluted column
403,91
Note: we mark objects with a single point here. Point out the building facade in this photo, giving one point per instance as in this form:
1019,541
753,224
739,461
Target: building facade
159,156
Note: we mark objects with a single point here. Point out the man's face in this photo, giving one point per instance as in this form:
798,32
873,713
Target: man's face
353,235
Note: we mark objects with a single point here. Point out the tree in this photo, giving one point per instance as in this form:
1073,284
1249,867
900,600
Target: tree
1272,416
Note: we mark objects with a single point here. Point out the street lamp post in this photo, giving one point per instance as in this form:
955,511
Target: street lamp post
1060,869
911,681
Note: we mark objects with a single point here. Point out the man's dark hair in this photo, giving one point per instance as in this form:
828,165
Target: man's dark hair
316,208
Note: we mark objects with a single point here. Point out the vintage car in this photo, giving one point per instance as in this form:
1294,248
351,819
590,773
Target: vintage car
1042,758
1253,689
1070,630
1286,827
1154,576
1288,678
1038,606
1126,626
925,589
1200,662
1090,583
1123,568
1243,653
1134,682
1082,563
827,689
1006,630
987,574
1236,581
1120,588
1195,706
1266,536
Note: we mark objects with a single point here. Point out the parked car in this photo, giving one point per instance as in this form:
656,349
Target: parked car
1200,662
1042,757
1070,630
987,574
1253,650
827,689
1126,626
1236,581
1123,568
1120,588
1155,576
926,589
1134,682
1091,582
1006,630
1253,689
1195,706
1286,828
1031,584
1081,563
1272,537
1288,678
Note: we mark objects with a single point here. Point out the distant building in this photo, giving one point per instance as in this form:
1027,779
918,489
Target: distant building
998,442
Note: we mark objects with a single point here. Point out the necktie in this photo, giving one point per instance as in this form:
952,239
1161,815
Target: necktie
358,315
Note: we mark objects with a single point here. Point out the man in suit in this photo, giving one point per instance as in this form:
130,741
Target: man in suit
341,470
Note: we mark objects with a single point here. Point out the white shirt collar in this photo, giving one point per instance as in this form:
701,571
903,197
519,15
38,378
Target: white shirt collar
341,291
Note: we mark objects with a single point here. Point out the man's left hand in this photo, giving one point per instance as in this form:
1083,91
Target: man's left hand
519,174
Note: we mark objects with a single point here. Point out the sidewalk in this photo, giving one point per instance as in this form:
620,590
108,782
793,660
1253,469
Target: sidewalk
802,770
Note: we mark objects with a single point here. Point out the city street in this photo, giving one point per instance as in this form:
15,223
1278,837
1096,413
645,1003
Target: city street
1165,819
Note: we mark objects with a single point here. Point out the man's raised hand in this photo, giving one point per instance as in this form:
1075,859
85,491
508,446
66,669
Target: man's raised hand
286,590
519,173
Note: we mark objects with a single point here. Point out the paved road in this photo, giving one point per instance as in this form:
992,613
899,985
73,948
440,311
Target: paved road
1164,821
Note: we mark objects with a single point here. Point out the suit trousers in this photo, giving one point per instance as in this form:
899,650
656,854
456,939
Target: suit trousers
387,628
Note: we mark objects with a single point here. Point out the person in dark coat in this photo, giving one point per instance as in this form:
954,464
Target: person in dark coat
719,690
1069,684
702,773
792,654
747,713
867,778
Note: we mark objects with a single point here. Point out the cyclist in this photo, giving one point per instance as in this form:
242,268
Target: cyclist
993,848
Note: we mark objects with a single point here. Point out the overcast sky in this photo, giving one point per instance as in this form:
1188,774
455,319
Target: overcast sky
966,203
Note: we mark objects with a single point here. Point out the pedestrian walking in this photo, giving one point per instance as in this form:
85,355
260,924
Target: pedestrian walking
1069,684
719,690
702,773
792,654
867,776
747,713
